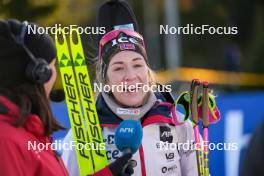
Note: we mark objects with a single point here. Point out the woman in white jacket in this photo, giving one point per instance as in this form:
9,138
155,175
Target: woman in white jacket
167,146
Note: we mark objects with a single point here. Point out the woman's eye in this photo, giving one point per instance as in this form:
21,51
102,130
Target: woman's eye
118,68
138,65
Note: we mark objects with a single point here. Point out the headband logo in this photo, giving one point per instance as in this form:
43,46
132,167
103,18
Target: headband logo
124,40
127,46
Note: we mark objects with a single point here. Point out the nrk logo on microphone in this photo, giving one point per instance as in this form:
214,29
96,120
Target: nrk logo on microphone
126,130
165,134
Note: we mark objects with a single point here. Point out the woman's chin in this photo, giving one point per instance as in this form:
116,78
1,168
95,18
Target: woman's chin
132,99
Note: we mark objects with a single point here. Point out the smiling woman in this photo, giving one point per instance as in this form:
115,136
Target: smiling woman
123,61
131,70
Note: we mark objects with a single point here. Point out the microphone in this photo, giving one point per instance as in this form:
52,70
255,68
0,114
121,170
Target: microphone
128,136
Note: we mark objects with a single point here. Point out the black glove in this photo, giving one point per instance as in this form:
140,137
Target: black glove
123,166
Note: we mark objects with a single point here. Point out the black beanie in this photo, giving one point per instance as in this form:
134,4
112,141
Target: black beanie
14,59
116,14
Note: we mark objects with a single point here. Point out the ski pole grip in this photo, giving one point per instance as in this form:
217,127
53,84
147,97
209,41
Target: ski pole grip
193,98
205,107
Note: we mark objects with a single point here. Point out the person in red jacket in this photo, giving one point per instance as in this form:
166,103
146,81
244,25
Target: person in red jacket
27,74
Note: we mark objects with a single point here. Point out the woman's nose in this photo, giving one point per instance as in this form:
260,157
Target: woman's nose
131,75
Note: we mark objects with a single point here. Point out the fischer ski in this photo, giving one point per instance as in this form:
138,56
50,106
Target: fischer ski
82,112
88,103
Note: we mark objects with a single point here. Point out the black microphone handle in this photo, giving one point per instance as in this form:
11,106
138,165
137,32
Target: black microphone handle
131,163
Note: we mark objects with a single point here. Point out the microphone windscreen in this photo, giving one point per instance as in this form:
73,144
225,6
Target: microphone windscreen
128,136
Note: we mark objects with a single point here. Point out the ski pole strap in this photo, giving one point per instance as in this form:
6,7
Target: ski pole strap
183,101
213,112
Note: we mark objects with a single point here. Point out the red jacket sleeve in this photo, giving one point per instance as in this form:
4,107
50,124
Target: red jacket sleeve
13,159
